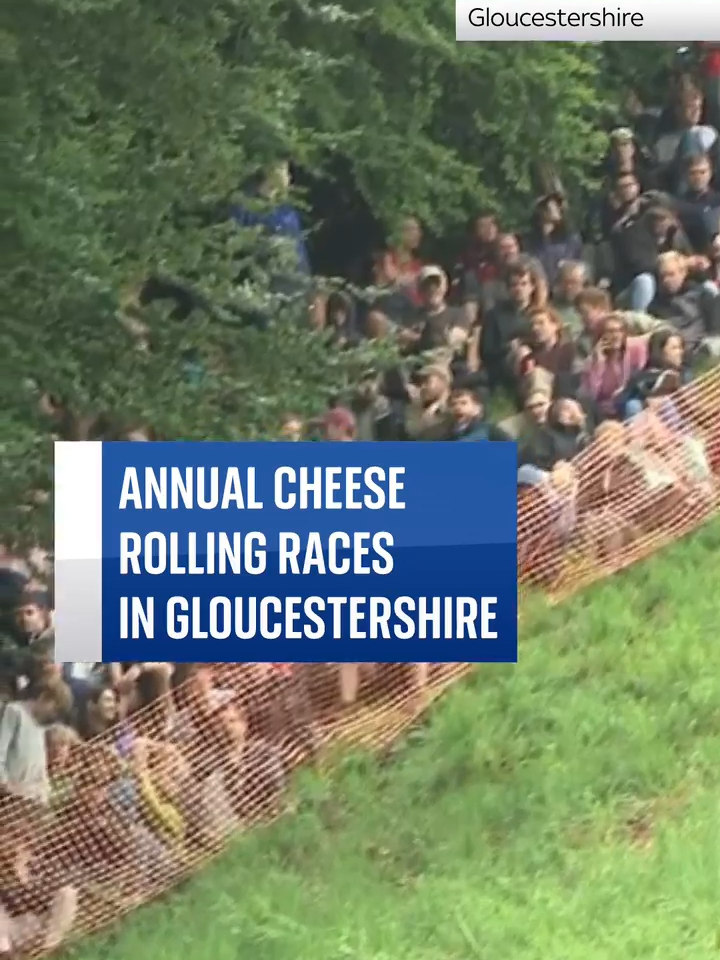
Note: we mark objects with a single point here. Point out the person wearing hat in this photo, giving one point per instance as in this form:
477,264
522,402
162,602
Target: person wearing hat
625,155
438,325
428,415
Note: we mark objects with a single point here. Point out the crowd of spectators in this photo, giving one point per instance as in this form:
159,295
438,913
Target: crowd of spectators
116,778
113,778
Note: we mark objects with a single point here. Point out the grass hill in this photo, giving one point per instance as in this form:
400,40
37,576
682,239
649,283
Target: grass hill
566,808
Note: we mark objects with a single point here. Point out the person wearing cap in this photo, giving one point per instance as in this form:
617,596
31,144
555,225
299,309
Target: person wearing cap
622,145
625,156
438,325
428,415
627,173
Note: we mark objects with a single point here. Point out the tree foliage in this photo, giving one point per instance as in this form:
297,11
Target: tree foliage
128,121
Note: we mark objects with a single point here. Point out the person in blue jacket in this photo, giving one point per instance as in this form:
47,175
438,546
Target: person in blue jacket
468,415
267,207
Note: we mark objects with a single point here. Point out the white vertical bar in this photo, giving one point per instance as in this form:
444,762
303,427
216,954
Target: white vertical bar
78,551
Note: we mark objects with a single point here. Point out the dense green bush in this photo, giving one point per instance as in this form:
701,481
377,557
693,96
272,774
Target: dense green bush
128,121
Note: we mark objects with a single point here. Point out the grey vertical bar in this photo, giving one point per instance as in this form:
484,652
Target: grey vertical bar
78,610
78,552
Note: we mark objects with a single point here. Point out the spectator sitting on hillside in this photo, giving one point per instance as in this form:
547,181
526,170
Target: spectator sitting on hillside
438,324
614,360
23,760
405,257
551,239
339,425
618,201
99,712
292,427
700,204
509,321
646,231
37,909
468,417
479,258
379,414
697,143
593,306
390,304
572,280
685,113
558,440
478,266
479,297
664,373
712,280
690,308
341,320
428,415
550,347
538,386
625,156
33,617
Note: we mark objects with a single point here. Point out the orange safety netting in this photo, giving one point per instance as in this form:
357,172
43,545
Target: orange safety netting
637,487
149,802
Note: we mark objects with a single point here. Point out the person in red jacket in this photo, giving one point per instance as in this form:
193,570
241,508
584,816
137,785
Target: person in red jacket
710,51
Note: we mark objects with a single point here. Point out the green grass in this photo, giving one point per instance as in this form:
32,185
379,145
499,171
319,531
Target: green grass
562,809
